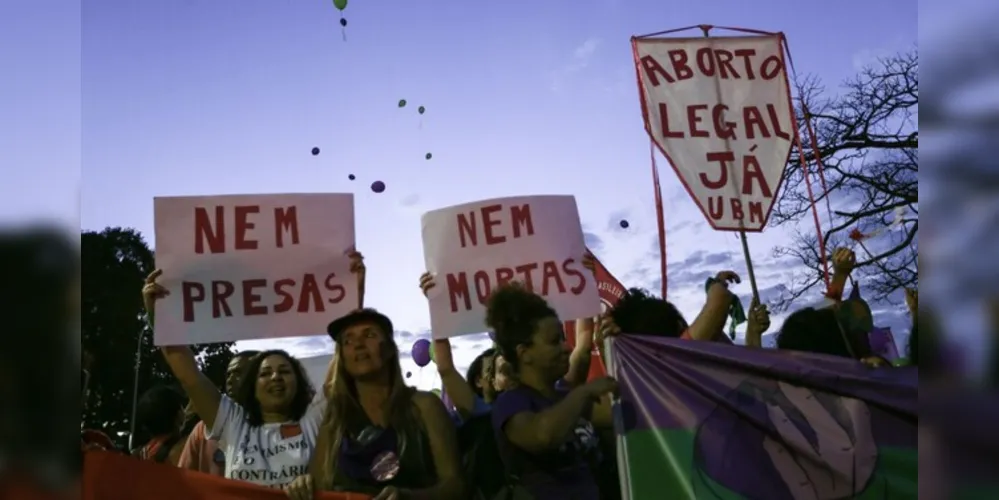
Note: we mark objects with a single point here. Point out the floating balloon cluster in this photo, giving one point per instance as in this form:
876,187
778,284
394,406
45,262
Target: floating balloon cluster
421,110
340,5
423,355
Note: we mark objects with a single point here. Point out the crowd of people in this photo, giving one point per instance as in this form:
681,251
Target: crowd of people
524,421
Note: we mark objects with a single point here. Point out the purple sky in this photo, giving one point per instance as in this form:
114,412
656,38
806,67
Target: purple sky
197,97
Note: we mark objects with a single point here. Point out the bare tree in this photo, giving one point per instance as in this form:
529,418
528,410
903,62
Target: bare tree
867,138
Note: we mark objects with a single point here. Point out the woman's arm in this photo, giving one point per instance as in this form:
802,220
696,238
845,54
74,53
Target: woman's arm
457,388
444,447
713,316
204,396
582,353
539,432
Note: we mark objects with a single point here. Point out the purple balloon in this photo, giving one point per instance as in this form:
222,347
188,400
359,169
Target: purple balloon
378,186
492,336
421,352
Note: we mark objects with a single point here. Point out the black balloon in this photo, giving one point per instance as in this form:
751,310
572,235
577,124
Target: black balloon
351,177
315,151
624,224
343,22
378,186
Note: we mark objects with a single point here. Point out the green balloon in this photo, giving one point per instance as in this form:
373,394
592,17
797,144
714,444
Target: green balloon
340,4
402,103
421,110
433,357
437,392
429,156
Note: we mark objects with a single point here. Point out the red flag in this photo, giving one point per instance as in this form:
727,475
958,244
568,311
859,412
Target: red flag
611,290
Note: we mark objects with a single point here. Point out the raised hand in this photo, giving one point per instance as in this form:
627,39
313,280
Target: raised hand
843,261
153,291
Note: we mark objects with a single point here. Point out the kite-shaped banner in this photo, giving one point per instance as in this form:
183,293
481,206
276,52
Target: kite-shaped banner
720,110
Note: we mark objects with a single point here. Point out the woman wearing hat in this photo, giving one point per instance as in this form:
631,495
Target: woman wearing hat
268,429
379,436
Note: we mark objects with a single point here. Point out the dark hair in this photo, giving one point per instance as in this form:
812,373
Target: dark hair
640,312
513,313
475,370
245,354
814,330
157,409
246,392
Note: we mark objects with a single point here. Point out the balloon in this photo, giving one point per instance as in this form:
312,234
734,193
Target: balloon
421,110
624,224
429,156
436,391
351,177
402,103
409,374
378,186
433,355
343,22
315,151
562,385
492,336
421,352
340,4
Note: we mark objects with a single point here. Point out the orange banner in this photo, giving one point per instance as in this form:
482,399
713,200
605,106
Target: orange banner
112,476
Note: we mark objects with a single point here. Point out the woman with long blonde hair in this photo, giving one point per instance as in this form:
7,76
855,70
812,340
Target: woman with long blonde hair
379,436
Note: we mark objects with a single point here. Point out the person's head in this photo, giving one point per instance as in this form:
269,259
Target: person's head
365,358
160,411
528,334
640,312
480,372
501,374
823,331
235,370
273,384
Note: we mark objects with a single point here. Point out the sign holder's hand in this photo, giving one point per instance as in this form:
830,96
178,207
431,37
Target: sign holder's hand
153,291
426,283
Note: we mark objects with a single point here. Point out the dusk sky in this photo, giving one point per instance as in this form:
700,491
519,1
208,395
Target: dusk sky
198,97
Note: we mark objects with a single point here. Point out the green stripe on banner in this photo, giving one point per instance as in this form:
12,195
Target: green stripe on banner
661,465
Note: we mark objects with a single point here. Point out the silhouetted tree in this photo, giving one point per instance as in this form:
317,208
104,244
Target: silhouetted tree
868,142
115,263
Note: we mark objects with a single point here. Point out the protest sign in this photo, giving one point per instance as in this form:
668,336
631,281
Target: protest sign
242,267
720,110
473,248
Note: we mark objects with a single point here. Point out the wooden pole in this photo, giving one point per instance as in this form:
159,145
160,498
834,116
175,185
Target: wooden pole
706,29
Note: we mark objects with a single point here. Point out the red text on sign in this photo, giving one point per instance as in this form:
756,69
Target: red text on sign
303,295
210,228
488,221
739,64
543,278
702,123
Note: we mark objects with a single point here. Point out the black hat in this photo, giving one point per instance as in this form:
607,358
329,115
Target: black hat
367,314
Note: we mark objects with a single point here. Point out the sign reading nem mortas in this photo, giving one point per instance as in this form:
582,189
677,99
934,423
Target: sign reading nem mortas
473,248
720,110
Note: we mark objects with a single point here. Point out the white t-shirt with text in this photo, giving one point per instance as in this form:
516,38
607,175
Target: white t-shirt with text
270,455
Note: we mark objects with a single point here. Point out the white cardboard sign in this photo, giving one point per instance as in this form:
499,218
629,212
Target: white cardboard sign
470,249
242,267
720,111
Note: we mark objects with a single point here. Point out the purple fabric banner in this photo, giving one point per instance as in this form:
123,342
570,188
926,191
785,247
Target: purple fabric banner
723,421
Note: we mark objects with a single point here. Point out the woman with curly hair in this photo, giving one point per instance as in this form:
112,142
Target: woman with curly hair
545,434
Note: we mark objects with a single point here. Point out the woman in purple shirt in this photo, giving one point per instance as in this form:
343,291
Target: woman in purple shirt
545,435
